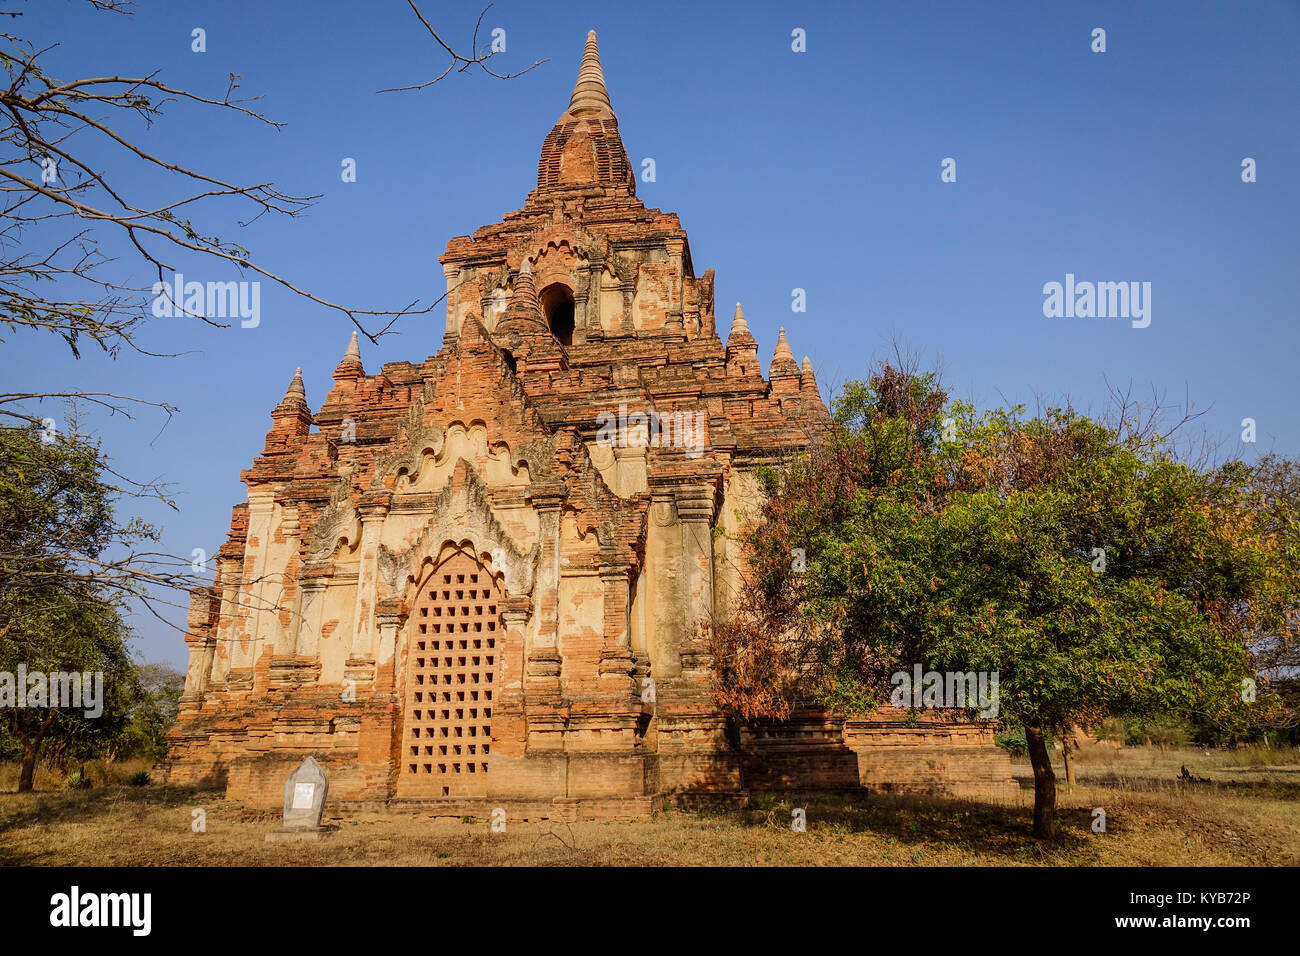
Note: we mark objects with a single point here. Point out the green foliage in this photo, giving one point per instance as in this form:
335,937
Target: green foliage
153,713
140,779
57,532
1161,730
1012,740
769,479
979,553
52,504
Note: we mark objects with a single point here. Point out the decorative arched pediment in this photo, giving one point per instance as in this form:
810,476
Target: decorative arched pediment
428,466
419,439
339,525
431,448
563,242
462,518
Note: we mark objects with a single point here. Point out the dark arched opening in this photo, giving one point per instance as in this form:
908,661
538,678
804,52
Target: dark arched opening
557,306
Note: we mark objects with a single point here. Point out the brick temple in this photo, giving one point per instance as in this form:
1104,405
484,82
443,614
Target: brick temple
477,580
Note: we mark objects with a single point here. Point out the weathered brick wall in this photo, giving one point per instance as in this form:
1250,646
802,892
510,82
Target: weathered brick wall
934,755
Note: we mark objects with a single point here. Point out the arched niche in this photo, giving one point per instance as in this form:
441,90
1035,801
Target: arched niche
558,308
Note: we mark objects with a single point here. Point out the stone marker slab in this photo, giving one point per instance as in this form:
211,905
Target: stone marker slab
304,802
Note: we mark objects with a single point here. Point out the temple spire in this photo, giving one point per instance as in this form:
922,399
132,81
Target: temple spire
740,337
783,355
296,392
589,91
525,285
290,420
738,324
783,366
807,379
350,367
583,149
524,302
812,395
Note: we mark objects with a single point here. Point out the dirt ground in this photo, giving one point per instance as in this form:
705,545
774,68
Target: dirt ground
1242,810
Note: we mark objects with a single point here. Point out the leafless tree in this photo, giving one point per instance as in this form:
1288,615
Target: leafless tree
62,211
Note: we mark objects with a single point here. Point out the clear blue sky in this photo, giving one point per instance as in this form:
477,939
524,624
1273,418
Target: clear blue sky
817,170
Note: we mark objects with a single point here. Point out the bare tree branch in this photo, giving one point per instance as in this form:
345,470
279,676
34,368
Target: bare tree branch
459,61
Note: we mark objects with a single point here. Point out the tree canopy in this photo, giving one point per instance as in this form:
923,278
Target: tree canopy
58,532
1083,562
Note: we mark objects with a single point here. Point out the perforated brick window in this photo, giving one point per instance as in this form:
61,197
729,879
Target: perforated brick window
455,628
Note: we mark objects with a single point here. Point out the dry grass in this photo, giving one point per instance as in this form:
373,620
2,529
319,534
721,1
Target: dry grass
1247,815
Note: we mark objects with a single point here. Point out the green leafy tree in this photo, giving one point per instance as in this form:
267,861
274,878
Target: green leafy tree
1094,572
1274,494
154,712
57,532
76,736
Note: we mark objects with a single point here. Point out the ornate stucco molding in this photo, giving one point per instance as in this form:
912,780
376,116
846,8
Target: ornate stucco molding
461,515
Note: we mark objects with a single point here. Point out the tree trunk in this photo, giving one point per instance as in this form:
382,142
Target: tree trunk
28,774
31,748
1069,764
1044,784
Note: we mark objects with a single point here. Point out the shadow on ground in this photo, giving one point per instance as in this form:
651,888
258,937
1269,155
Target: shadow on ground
927,823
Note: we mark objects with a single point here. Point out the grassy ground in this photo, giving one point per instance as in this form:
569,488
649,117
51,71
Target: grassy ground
1247,813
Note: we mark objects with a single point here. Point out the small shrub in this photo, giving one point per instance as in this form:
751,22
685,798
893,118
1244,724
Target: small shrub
139,779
